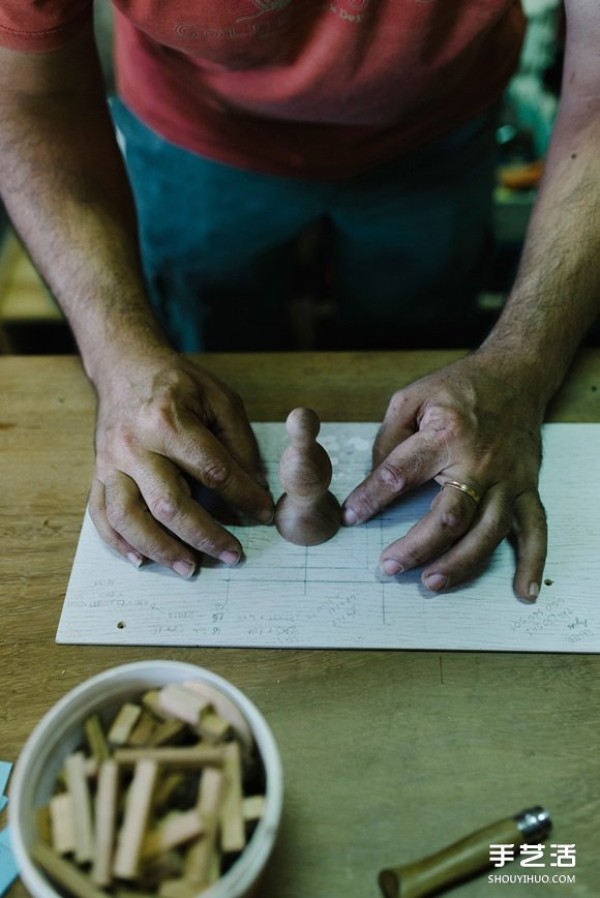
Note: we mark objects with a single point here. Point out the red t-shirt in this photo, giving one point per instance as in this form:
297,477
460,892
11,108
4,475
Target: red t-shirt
295,87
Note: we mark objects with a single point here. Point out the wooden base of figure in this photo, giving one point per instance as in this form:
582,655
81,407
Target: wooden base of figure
307,514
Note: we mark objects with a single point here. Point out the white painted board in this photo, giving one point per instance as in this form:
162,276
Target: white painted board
330,596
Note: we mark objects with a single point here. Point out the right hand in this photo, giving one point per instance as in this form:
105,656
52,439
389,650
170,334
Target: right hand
467,423
161,421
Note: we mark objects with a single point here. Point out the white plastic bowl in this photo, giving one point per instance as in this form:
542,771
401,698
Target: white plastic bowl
60,732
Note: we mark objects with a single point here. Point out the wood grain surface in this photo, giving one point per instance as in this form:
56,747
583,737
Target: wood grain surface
388,756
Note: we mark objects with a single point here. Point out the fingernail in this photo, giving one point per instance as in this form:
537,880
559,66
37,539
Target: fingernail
349,516
435,582
135,559
229,557
185,569
391,567
534,591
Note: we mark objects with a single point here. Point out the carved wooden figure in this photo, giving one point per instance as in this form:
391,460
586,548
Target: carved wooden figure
307,513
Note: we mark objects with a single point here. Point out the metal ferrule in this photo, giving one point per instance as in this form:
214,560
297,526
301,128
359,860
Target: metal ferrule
534,822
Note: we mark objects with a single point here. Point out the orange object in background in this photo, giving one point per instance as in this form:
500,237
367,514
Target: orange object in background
523,176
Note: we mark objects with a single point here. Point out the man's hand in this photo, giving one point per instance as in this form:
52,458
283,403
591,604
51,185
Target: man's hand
466,424
161,422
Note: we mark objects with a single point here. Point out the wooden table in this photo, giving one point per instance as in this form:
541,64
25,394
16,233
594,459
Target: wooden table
388,755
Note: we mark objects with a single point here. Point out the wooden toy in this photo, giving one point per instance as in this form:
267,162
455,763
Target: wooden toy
307,513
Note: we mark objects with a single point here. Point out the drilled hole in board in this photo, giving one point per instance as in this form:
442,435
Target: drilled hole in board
548,582
121,625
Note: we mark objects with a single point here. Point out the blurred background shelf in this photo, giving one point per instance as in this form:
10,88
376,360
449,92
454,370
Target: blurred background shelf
30,320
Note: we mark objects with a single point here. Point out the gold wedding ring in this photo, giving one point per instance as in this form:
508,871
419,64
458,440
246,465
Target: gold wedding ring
464,488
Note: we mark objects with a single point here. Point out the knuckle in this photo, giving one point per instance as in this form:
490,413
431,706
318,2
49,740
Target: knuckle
455,522
226,399
117,516
540,527
455,428
164,507
123,435
539,512
158,414
118,448
235,401
492,531
398,401
215,474
392,476
118,507
112,540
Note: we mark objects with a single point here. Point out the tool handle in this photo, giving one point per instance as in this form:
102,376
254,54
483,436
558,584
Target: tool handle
456,862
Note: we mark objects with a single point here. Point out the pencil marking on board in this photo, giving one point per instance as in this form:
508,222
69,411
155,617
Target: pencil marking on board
333,595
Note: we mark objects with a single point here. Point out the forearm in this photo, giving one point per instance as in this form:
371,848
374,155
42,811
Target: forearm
556,295
64,185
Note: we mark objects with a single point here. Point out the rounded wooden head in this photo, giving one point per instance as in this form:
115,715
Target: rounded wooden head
302,425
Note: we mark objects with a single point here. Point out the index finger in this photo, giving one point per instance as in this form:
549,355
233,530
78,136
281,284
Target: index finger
237,436
407,466
389,435
201,454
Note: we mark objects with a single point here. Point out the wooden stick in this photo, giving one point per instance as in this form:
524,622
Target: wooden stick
177,888
61,823
91,768
105,822
64,873
151,702
132,893
166,786
44,826
199,856
182,703
253,807
139,803
233,832
214,870
174,829
226,708
124,723
210,797
167,732
142,731
96,739
82,807
157,869
213,727
173,756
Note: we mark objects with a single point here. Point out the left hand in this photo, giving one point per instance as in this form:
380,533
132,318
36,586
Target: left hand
476,425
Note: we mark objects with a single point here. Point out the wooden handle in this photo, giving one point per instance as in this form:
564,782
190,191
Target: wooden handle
452,864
